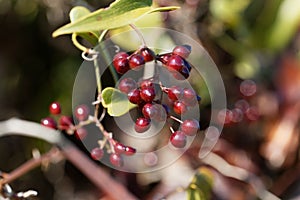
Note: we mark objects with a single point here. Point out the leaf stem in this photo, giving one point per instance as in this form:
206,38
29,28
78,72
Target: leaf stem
139,34
77,44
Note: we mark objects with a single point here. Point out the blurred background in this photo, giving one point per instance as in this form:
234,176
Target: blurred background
254,43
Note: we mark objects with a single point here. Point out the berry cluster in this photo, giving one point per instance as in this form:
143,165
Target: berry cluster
174,61
148,94
65,123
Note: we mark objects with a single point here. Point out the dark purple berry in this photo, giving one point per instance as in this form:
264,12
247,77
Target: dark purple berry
55,108
126,85
81,133
129,151
147,54
116,160
179,107
49,122
134,96
135,61
175,93
182,50
121,65
190,127
142,124
82,112
175,63
187,65
178,139
147,94
97,153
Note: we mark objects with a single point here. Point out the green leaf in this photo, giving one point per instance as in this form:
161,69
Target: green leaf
118,14
116,102
79,12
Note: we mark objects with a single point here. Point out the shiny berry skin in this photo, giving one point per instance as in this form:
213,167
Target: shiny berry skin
146,83
126,85
190,127
134,96
175,63
120,55
55,108
179,107
147,54
129,151
81,133
116,160
65,122
164,58
182,51
175,93
97,153
189,97
49,122
119,148
142,124
82,112
149,111
147,94
135,61
187,65
121,65
178,139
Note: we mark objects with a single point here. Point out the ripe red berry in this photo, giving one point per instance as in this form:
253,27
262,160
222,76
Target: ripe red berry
81,133
142,124
147,94
121,55
116,160
65,122
182,50
126,85
119,148
175,93
49,122
179,107
178,139
134,96
190,127
55,108
147,54
146,83
121,63
149,111
164,58
82,112
135,61
97,153
189,97
175,63
129,151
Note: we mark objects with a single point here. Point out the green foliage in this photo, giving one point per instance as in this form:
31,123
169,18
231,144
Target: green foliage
118,14
115,101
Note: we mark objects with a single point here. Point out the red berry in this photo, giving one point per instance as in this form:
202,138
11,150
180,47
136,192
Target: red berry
142,124
182,50
149,110
49,122
97,153
134,96
146,83
242,104
121,65
225,116
237,115
116,160
164,58
248,88
189,97
55,108
119,148
178,139
147,54
82,112
81,133
126,85
252,113
175,93
190,127
175,63
135,61
179,107
120,55
129,151
147,94
65,122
